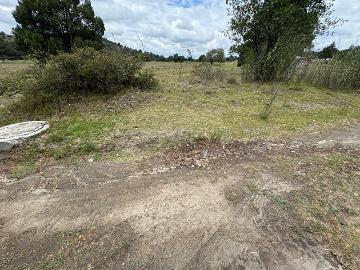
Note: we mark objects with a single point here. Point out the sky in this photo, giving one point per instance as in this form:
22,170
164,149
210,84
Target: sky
172,26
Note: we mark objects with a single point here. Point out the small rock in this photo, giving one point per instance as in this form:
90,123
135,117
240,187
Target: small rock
19,133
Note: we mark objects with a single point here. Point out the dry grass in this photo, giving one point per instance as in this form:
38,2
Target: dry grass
135,124
8,67
328,204
342,72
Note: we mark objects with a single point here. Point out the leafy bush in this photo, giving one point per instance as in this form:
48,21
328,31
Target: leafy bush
208,72
82,72
89,71
145,79
342,72
70,75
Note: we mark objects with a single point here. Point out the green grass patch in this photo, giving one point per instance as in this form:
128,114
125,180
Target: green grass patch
139,124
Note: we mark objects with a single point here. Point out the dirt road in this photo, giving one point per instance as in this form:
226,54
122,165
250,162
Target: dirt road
208,206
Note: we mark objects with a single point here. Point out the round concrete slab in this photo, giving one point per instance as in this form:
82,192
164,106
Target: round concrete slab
19,133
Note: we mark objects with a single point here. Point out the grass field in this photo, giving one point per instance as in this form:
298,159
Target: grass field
134,125
7,66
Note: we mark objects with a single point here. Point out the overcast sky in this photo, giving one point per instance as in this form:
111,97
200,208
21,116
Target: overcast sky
172,26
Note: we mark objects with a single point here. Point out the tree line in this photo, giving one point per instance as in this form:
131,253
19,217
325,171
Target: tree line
48,27
267,35
8,48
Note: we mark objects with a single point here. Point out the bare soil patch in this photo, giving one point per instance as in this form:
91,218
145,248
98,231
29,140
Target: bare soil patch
205,205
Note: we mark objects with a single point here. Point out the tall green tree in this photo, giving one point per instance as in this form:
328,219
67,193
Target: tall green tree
202,58
49,26
328,52
269,34
216,55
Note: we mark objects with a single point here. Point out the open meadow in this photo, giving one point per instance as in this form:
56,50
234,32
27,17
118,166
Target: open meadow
7,66
179,135
183,108
173,176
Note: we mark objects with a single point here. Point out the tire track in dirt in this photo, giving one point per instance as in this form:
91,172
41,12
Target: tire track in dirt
181,213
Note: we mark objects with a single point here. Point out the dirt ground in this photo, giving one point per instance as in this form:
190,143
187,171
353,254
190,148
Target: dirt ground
205,205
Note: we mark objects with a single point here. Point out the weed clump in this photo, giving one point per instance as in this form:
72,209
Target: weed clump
208,72
232,80
265,114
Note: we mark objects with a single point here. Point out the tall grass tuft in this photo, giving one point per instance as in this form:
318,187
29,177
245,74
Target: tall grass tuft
342,72
208,72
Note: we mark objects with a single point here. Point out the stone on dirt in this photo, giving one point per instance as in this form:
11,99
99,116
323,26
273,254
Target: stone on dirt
19,133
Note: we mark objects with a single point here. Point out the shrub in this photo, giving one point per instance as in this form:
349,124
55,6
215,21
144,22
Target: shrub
232,80
208,72
69,75
342,72
145,79
89,71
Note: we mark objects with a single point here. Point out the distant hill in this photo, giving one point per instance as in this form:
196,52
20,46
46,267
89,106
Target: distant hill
149,56
8,48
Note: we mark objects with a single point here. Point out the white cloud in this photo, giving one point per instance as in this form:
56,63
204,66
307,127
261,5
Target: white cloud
346,34
163,26
172,26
